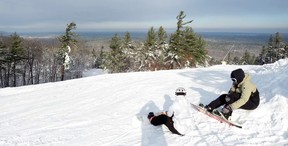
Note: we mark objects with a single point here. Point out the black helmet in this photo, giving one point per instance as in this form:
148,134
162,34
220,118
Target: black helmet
150,115
180,91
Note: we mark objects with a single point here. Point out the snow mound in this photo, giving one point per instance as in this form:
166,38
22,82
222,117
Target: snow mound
105,109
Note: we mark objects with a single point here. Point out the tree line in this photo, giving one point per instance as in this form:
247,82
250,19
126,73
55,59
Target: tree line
276,49
32,61
183,48
25,61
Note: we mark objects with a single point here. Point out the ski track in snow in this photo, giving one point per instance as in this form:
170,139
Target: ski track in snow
103,109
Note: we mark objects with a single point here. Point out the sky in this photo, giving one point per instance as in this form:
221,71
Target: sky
129,15
104,110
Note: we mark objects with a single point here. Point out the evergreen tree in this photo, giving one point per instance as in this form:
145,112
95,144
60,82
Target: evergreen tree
67,40
154,51
98,58
280,45
115,59
150,39
162,48
176,42
127,40
278,41
16,55
150,47
161,36
186,49
275,50
195,52
3,55
271,53
129,52
262,58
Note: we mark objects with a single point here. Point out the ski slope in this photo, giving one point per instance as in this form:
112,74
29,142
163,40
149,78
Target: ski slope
103,109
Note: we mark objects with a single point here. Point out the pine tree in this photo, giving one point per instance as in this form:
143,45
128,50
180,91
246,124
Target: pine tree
127,40
262,58
162,48
67,40
280,46
271,52
128,51
275,50
150,39
150,47
16,55
97,58
161,36
3,55
155,48
186,49
115,59
176,42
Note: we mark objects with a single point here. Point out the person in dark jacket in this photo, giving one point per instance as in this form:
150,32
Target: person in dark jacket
242,95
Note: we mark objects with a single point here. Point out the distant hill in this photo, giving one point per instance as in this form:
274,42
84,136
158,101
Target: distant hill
253,38
218,43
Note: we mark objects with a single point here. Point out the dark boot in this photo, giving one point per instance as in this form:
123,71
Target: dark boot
227,116
209,109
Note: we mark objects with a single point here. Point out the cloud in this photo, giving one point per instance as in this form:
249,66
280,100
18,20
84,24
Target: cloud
55,14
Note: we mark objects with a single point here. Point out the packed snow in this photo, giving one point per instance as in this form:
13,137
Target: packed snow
105,109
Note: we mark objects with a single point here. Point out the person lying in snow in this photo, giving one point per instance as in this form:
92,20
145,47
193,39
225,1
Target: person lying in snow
173,118
242,95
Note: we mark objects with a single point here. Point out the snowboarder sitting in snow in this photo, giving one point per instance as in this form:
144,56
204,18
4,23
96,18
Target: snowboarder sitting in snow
172,117
242,95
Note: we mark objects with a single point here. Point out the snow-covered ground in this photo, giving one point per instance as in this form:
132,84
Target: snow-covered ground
93,72
101,110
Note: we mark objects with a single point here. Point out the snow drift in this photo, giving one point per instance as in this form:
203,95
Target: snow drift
101,110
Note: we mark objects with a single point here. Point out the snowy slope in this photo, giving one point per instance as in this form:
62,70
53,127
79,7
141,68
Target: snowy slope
101,110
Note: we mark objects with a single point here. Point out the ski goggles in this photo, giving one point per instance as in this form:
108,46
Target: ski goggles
234,80
180,93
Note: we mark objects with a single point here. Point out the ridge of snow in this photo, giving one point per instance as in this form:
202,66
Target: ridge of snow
103,109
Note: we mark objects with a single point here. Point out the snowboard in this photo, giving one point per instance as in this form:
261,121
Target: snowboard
215,116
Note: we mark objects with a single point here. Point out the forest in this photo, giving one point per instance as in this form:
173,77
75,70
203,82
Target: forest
27,61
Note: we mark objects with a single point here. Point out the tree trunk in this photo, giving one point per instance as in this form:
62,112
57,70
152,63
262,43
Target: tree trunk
24,75
14,74
31,63
37,73
62,72
1,78
7,76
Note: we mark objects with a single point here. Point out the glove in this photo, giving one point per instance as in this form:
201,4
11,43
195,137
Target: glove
226,109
